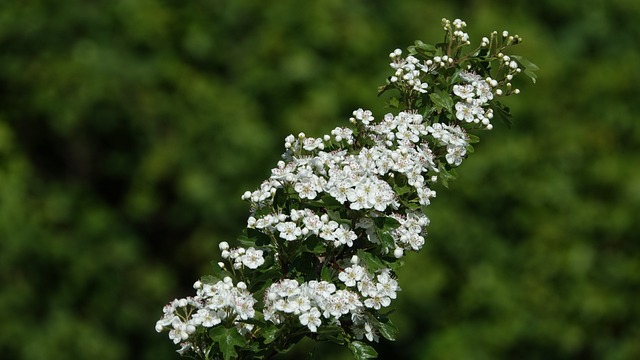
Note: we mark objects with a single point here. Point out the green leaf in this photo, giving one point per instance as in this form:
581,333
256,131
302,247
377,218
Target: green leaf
422,46
326,274
331,333
361,350
217,274
528,67
314,245
280,198
227,339
388,330
387,240
260,279
372,262
270,334
245,241
470,149
386,223
393,103
401,190
441,101
259,237
502,112
472,139
446,175
384,325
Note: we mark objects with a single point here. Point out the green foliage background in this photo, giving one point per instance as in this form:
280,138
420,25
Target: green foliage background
130,128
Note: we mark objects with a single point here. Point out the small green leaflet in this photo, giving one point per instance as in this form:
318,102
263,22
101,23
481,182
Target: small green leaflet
372,262
529,67
270,334
227,339
501,112
361,350
441,101
385,327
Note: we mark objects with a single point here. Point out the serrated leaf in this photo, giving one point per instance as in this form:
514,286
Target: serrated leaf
217,274
372,262
401,190
528,67
533,76
386,223
422,46
441,101
384,325
270,334
245,241
326,274
210,279
502,112
280,198
258,236
446,175
227,339
393,103
387,240
388,330
472,139
470,149
361,350
526,63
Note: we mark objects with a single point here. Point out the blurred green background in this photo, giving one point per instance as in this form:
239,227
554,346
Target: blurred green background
130,128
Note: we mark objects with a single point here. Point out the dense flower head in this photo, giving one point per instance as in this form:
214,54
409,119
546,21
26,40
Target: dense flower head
327,227
212,305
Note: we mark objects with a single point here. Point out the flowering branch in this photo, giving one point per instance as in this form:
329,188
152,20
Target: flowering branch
328,228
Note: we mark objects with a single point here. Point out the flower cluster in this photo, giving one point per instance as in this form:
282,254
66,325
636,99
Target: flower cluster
251,257
213,304
315,300
327,227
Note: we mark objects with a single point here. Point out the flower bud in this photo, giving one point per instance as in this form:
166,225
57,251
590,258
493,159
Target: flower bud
225,245
398,253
